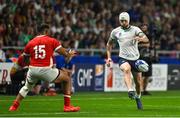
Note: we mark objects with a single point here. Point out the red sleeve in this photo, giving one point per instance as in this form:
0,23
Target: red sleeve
56,44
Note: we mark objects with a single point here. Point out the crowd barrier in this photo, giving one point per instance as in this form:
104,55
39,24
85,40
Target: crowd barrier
98,77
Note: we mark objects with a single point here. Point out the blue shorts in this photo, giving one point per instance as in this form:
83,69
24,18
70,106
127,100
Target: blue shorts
131,63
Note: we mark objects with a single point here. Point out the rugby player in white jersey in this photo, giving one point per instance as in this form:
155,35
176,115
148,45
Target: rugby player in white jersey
128,37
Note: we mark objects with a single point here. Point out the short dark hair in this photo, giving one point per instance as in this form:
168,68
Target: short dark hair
42,27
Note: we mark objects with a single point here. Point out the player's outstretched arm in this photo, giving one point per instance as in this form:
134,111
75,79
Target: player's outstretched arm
68,54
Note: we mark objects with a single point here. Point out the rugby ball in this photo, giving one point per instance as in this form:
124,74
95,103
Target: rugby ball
141,66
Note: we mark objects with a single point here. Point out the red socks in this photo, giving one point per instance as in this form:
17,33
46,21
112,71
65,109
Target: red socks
67,100
15,103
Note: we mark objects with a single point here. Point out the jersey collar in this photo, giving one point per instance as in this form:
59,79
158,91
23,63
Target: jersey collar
126,29
40,35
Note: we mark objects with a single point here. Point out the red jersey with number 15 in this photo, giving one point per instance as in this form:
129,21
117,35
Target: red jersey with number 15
41,49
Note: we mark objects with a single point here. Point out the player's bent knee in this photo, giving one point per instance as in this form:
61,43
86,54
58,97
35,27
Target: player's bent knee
24,90
126,70
65,76
67,79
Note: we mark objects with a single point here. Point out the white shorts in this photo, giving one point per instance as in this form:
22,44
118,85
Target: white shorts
42,73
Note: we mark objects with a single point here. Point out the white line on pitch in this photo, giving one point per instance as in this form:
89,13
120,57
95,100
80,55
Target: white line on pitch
34,114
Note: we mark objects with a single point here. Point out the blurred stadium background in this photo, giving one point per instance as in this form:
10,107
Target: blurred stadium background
85,25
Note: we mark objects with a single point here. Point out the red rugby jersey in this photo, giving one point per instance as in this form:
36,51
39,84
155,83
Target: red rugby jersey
41,49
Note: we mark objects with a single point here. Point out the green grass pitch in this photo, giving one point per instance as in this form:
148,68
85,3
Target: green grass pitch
96,104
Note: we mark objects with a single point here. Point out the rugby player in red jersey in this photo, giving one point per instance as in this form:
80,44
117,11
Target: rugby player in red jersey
40,51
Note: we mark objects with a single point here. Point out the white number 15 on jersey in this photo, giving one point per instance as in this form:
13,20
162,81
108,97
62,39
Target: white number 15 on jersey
40,52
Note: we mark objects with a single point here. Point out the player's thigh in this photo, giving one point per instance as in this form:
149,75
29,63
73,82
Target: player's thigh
50,74
30,79
69,71
44,74
63,76
125,67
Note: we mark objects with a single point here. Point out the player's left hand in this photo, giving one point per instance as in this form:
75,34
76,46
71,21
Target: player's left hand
72,53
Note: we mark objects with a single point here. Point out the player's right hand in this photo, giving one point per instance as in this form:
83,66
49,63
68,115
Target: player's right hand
108,62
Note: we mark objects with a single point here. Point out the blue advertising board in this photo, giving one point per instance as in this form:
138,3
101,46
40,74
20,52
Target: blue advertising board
88,77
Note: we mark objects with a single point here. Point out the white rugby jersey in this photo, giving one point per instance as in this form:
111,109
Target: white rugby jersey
128,46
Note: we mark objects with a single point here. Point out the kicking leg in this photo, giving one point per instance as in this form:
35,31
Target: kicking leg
22,94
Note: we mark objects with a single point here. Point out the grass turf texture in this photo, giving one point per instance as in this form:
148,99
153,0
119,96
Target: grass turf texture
96,104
